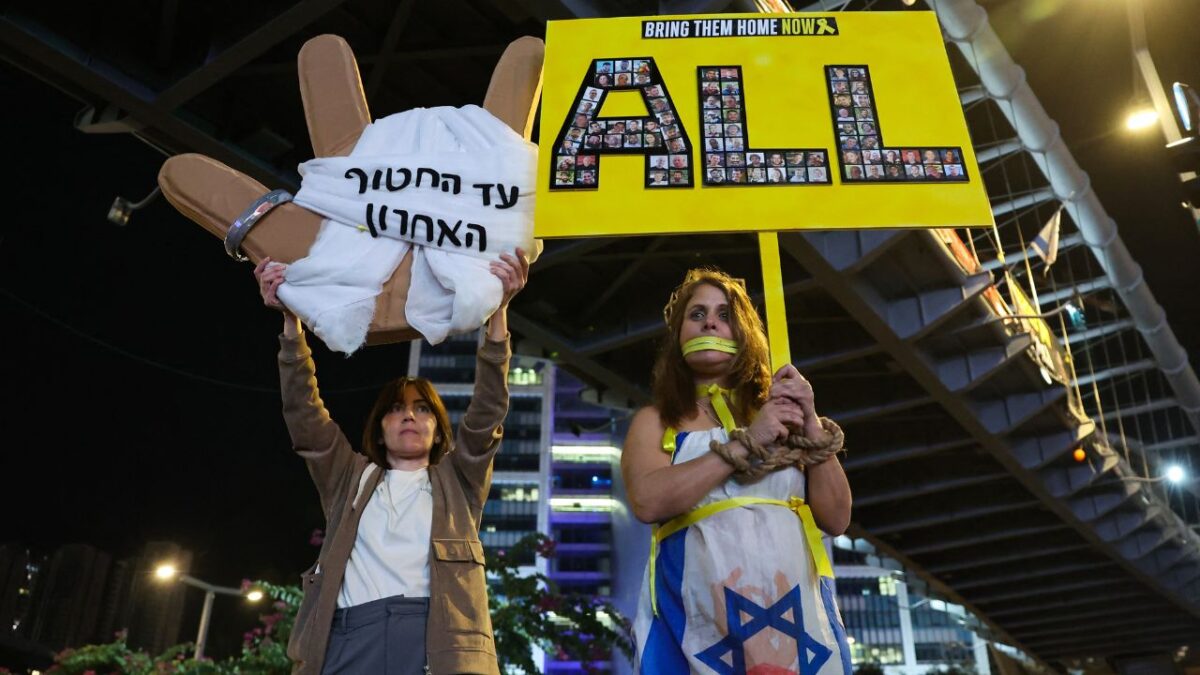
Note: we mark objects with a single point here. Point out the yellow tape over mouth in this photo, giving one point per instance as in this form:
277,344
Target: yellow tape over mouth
710,343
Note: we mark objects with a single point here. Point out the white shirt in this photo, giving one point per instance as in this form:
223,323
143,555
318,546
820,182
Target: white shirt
391,550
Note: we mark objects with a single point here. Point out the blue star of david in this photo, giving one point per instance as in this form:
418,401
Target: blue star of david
813,654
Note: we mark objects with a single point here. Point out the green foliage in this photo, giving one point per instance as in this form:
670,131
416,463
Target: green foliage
264,649
114,657
527,610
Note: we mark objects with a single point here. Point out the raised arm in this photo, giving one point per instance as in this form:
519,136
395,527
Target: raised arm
316,437
478,436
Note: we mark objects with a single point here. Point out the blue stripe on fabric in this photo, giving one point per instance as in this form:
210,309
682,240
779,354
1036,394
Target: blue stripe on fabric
839,632
679,438
663,654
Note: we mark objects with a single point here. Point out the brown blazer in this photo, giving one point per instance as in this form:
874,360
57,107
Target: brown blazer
459,630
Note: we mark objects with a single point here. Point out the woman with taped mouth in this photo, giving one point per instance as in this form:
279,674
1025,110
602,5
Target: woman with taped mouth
399,584
739,477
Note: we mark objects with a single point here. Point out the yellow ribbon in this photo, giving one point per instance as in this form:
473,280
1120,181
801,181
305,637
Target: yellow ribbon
717,395
710,343
668,441
796,505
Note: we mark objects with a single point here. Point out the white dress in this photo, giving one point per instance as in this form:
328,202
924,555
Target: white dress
738,592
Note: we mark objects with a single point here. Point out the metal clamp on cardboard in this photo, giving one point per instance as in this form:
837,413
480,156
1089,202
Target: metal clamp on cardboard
241,227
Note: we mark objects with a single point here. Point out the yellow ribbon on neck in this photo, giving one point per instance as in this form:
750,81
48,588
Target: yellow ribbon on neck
717,397
816,547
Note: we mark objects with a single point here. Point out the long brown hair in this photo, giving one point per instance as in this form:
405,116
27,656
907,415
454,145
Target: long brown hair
674,388
392,392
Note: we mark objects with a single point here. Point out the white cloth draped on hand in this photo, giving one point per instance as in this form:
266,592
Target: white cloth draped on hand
454,185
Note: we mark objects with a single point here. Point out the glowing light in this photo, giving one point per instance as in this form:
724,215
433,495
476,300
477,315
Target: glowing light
254,595
585,453
1142,118
1079,455
165,571
584,504
1175,473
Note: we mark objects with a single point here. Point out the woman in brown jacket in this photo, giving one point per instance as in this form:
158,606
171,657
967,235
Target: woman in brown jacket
399,585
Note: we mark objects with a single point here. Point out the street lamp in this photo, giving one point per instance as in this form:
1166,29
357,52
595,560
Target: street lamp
1173,475
1141,118
167,571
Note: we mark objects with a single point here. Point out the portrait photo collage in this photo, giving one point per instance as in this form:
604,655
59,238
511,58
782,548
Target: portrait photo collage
729,159
658,136
863,156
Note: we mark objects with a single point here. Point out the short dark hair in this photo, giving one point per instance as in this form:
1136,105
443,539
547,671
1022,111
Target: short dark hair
392,392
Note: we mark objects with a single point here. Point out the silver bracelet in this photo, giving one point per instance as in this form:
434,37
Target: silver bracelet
241,227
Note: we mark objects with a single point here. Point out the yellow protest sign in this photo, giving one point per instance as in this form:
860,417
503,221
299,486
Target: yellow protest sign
681,124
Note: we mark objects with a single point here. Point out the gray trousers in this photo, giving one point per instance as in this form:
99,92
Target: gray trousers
382,636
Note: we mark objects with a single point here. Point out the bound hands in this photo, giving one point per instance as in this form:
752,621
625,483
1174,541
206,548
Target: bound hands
789,409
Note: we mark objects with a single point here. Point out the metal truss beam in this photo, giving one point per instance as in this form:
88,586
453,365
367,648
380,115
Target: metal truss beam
860,415
850,250
653,327
964,372
1127,369
1037,451
48,57
1049,605
1032,590
1023,201
998,150
1148,407
1004,414
927,488
1182,442
868,460
1064,244
1099,331
947,543
568,355
864,303
975,562
1026,574
1080,288
257,43
948,516
1050,621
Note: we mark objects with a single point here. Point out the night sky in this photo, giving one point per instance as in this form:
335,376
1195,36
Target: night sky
140,397
140,393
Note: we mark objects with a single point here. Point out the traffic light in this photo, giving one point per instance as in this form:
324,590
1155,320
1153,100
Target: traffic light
1185,153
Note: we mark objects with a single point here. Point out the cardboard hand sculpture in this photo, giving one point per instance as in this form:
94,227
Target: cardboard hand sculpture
418,201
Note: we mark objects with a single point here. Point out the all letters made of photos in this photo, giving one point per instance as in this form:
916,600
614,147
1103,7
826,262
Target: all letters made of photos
659,136
864,156
729,159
